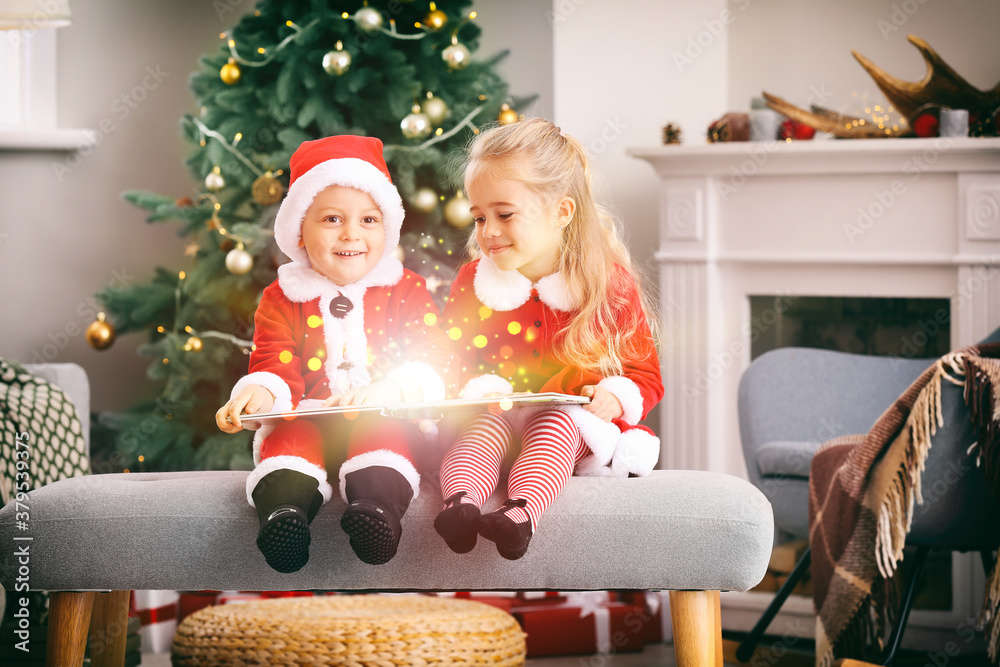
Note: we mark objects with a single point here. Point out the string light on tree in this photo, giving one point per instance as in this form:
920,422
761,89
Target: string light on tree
416,125
238,261
230,73
457,55
456,211
338,61
214,181
435,108
100,333
193,344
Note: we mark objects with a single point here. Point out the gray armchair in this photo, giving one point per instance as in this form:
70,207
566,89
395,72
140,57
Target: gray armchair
792,400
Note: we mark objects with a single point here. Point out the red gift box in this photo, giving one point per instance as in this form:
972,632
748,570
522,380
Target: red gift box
657,606
582,625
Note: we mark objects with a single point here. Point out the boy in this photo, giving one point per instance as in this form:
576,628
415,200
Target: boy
344,324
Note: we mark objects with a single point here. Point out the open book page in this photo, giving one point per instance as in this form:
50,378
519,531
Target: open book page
426,409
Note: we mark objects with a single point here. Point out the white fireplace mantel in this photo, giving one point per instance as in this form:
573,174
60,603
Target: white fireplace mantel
891,217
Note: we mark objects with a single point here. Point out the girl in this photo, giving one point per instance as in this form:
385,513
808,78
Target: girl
549,302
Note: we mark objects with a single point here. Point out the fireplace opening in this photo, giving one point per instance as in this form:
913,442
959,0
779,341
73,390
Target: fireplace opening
911,328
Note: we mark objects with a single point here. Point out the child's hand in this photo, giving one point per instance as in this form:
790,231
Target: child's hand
382,392
251,400
603,403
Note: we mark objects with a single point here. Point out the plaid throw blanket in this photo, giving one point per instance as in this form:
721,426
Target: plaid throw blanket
862,490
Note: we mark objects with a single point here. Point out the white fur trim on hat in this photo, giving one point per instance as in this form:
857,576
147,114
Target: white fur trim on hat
600,436
270,381
500,290
349,172
553,292
380,457
422,376
637,452
295,463
589,467
488,383
628,394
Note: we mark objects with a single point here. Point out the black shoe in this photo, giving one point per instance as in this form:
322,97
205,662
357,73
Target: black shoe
511,538
458,524
286,502
377,499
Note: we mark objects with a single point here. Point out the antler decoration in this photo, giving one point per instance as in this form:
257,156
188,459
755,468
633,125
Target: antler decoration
941,87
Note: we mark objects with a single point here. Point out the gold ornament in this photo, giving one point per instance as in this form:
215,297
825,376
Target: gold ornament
456,56
267,190
456,212
238,261
671,134
436,19
100,334
507,115
417,125
424,200
214,181
193,344
230,73
435,108
368,19
338,61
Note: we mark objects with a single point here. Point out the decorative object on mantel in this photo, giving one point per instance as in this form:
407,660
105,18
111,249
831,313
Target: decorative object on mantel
671,134
765,123
942,87
794,130
734,126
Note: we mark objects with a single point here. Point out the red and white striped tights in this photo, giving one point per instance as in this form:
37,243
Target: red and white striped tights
550,448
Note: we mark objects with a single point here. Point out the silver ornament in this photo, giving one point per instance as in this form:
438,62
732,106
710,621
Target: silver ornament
214,181
456,56
436,110
416,125
336,62
424,200
239,262
368,19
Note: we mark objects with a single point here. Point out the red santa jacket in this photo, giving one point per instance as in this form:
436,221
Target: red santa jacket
313,338
504,328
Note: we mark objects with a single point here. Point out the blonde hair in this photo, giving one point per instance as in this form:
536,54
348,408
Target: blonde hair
534,152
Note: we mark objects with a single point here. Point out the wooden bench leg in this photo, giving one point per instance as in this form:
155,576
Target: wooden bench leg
697,623
69,619
109,629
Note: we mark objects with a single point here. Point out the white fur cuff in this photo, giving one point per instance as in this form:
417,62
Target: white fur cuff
273,383
628,394
295,463
481,385
600,436
422,376
636,453
380,457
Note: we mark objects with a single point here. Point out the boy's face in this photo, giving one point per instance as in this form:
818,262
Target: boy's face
343,235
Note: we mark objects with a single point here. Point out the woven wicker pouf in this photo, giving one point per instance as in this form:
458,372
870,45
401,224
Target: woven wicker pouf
355,630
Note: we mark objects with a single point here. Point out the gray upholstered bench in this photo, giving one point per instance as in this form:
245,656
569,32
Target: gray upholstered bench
690,532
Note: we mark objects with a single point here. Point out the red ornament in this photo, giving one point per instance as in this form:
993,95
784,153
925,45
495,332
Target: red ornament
926,125
793,129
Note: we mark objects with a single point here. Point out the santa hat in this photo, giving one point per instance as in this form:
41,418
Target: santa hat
351,161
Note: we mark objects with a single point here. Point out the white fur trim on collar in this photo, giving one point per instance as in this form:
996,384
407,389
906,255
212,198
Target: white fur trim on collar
295,463
507,290
302,283
628,394
349,172
380,457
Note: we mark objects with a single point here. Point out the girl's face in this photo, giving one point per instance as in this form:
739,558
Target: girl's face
517,228
343,234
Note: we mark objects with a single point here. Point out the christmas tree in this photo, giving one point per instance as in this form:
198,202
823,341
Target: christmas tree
291,71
